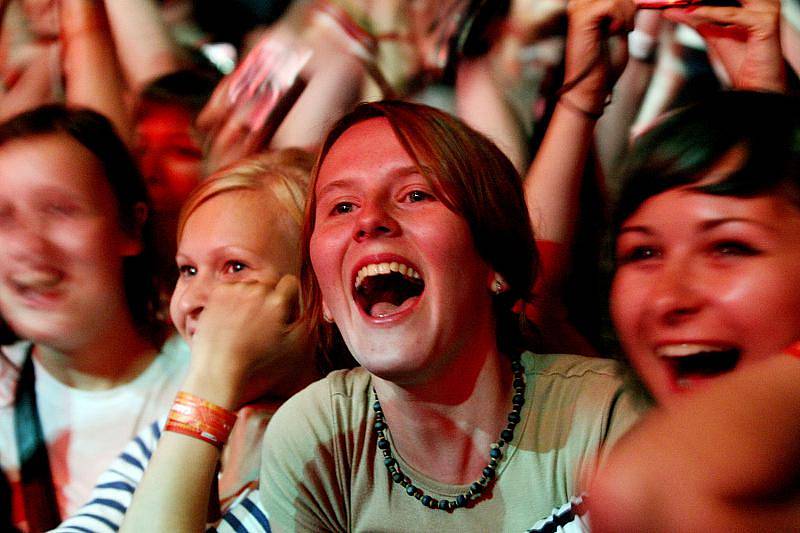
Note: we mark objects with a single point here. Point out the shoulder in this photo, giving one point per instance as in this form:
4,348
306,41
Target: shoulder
563,366
591,392
324,405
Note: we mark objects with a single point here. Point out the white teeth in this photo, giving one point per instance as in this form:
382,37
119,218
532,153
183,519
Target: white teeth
681,350
375,269
37,279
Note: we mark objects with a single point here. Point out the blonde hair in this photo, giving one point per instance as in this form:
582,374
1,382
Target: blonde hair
284,173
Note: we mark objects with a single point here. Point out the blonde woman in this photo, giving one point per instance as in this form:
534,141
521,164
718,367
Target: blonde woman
238,242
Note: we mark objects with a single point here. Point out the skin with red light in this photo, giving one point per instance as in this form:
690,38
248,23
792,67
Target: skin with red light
168,154
231,257
710,270
373,205
61,253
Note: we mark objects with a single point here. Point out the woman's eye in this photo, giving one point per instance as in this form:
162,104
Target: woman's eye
734,248
233,267
61,209
187,271
419,196
636,254
342,208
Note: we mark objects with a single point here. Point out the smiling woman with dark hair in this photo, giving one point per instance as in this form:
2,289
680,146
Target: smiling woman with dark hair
707,241
76,285
416,244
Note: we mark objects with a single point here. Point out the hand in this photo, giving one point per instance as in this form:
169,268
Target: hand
596,52
249,104
248,344
745,39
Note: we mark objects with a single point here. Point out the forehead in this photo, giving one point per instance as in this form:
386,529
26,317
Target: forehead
245,216
366,147
688,207
53,161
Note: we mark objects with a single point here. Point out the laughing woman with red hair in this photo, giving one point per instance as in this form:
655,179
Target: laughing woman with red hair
417,243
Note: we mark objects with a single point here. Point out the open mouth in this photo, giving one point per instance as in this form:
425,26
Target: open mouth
699,361
384,289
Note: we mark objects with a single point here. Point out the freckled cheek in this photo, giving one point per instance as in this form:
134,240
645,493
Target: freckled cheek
175,313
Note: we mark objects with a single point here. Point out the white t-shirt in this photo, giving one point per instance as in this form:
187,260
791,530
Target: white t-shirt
85,430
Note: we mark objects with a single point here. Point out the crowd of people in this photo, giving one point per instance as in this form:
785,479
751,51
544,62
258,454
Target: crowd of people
377,266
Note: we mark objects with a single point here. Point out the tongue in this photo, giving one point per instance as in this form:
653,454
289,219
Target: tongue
381,309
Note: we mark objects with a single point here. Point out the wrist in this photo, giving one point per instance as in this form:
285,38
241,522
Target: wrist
198,418
219,388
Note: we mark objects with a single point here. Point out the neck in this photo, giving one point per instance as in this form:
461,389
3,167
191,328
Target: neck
116,356
457,417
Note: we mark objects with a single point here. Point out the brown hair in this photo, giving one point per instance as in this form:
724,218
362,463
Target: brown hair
475,180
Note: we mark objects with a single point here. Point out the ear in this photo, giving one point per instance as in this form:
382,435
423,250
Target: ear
497,284
326,313
132,241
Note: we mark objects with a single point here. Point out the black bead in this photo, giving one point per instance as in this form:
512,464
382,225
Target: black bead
389,461
397,477
476,488
507,435
519,399
434,503
513,417
383,444
461,500
376,406
444,505
410,489
495,453
493,463
518,382
426,500
516,365
379,425
488,472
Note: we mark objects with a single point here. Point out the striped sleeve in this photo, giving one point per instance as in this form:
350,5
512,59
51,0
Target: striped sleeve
113,493
114,490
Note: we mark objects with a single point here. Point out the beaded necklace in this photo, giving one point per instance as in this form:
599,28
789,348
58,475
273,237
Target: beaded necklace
479,487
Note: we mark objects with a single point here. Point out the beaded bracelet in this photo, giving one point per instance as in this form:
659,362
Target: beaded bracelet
201,419
793,350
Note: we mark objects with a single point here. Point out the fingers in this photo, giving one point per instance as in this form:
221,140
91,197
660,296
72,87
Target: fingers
760,18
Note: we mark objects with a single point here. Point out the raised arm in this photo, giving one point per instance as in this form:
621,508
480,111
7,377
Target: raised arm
90,66
145,48
244,328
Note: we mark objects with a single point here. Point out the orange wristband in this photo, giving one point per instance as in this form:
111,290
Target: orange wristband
794,350
201,419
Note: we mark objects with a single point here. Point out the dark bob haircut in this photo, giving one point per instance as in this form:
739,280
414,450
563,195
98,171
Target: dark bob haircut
96,133
681,149
475,180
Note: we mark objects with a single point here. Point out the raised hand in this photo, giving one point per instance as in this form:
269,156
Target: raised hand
745,39
596,51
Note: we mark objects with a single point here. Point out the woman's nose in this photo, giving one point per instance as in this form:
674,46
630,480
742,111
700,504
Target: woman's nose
194,297
26,239
374,220
677,292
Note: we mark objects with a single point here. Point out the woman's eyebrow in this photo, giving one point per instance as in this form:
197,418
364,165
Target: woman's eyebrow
635,229
709,225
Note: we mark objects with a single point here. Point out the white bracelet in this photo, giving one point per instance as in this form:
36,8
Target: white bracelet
641,45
